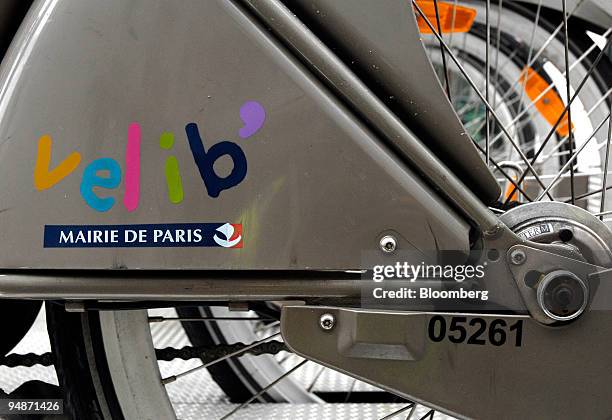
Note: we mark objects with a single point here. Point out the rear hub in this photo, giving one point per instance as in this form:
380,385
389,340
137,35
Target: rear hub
561,294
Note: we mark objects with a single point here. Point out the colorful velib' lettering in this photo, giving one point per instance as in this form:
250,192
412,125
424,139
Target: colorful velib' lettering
253,116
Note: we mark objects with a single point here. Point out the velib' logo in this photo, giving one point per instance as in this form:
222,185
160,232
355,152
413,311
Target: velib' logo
229,236
106,172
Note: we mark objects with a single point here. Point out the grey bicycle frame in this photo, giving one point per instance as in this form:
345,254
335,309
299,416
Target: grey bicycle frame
299,211
84,84
358,141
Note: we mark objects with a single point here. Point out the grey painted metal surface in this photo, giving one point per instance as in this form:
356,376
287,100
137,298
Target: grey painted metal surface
320,188
543,379
175,285
331,69
381,43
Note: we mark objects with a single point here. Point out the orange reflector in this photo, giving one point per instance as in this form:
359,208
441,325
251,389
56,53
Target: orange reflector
461,22
550,105
511,190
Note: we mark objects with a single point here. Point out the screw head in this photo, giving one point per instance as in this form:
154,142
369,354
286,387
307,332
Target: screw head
388,244
327,322
518,257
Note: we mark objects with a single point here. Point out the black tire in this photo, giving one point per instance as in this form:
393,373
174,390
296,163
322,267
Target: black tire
12,13
21,314
81,371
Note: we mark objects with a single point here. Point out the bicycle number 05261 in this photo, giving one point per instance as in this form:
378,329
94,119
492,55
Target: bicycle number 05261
478,331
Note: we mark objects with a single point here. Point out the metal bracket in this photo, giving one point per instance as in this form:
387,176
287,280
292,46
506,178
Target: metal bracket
541,375
535,262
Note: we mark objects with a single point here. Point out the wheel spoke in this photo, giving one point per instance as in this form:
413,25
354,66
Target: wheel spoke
429,415
546,43
505,174
478,120
602,207
568,96
315,379
444,66
533,102
350,391
570,162
411,407
554,152
570,101
263,390
524,75
472,84
450,35
266,327
500,7
531,42
561,142
487,80
603,213
587,195
521,119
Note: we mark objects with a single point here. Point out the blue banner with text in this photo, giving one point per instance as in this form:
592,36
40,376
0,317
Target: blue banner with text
225,235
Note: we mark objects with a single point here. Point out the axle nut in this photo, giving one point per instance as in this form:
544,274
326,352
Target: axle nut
562,295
